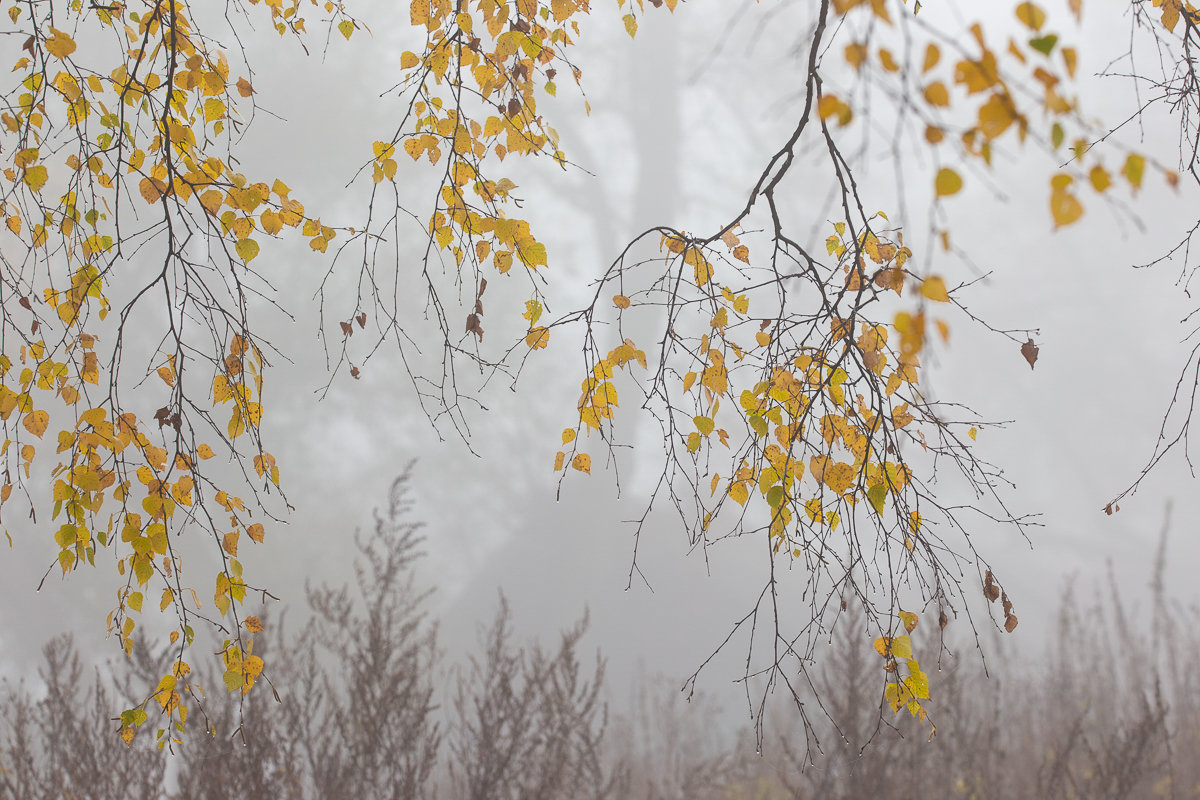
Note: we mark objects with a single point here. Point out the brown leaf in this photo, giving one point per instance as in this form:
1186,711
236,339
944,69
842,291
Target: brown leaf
473,326
990,590
1030,351
362,319
347,328
25,302
354,373
1010,623
482,287
943,620
478,306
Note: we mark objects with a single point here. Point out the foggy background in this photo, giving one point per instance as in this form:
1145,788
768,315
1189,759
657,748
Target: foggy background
683,120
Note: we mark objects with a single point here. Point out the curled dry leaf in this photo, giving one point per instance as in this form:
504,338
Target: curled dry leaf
473,326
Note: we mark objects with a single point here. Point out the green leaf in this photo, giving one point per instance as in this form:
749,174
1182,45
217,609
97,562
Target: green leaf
775,496
759,425
234,679
1057,136
1044,44
876,494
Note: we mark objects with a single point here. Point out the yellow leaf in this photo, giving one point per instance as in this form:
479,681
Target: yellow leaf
839,477
1100,178
59,45
246,249
631,25
408,60
972,433
1065,208
346,27
934,288
91,368
947,182
831,106
36,422
568,435
995,116
856,54
936,94
214,109
151,189
703,269
559,457
1031,15
237,424
1135,166
254,624
256,532
932,54
582,462
420,11
621,301
537,338
271,222
1071,59
35,177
